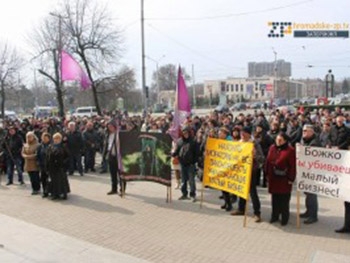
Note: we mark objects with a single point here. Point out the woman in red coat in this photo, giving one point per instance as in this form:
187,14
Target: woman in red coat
281,170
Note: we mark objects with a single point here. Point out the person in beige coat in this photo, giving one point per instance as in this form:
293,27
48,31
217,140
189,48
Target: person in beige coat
29,153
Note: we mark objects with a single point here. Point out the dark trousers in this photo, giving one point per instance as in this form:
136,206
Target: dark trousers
34,180
75,161
187,175
10,166
89,159
280,206
311,204
253,195
347,215
260,172
115,173
44,182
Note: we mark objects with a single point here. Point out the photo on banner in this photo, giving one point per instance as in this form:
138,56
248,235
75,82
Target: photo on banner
324,172
146,157
228,166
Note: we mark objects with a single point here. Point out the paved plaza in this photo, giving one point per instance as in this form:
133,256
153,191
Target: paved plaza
93,227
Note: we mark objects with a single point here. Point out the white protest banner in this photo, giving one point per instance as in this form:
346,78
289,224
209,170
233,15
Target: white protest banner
323,171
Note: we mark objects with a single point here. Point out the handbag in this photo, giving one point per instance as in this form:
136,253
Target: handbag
279,172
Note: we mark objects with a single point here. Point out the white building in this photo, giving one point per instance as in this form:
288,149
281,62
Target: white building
238,88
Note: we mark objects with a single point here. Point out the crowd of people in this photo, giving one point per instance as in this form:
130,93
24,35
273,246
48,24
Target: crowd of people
51,149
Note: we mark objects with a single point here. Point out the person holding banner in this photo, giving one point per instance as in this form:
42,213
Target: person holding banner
258,161
224,134
186,150
309,138
280,168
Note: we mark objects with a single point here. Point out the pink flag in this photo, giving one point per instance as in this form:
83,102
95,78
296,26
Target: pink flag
71,70
182,106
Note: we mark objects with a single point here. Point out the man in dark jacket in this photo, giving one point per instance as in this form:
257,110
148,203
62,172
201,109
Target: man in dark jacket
12,146
187,152
295,132
91,141
340,139
311,202
75,145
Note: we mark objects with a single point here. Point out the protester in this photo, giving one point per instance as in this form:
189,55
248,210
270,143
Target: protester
91,142
12,146
41,156
258,161
187,152
56,158
224,134
112,153
75,146
309,138
340,139
280,169
29,153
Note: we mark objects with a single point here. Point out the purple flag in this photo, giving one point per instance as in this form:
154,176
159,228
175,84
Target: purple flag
182,106
71,70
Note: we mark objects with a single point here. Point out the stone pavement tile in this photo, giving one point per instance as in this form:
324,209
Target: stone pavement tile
326,257
24,242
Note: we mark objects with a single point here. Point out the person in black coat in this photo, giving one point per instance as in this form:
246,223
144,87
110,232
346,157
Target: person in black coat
340,139
187,152
55,159
91,141
75,145
295,132
41,156
12,146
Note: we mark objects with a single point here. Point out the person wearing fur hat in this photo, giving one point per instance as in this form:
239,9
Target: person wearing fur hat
29,153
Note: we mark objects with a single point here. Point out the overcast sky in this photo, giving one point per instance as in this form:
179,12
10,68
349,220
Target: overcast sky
218,37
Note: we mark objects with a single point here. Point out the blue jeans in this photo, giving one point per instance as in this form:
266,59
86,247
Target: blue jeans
187,175
10,166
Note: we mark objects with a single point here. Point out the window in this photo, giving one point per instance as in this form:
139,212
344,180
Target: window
236,87
241,87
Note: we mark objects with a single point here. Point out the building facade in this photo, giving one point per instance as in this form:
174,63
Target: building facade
278,69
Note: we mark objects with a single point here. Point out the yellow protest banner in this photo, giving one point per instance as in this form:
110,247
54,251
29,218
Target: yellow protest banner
228,166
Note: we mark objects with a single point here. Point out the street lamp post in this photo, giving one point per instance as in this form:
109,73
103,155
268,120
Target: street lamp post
143,57
330,83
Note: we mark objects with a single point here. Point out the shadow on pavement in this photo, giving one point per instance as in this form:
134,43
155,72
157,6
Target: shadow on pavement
80,201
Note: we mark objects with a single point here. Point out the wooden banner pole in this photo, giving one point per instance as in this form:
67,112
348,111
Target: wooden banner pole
167,194
298,210
246,212
202,196
123,182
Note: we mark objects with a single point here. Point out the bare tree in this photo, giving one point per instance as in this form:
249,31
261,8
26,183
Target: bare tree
10,64
47,41
93,37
